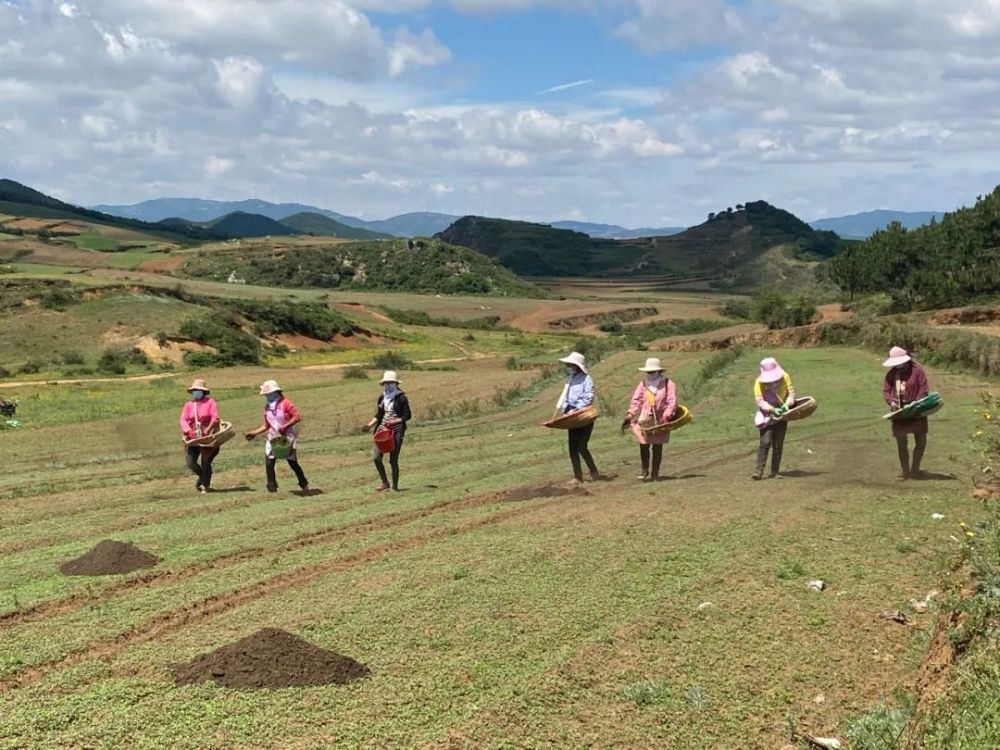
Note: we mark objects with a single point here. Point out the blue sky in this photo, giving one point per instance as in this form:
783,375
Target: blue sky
378,107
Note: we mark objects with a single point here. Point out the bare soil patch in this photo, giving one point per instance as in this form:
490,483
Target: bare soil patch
541,492
271,658
109,558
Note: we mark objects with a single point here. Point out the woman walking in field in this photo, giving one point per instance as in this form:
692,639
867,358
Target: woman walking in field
905,383
653,403
200,417
280,423
774,394
578,394
392,412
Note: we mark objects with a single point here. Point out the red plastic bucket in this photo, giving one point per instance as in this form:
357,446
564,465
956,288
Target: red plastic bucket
385,440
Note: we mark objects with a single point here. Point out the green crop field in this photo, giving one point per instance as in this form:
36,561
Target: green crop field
495,604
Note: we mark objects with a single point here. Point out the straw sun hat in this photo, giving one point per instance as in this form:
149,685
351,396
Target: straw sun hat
268,387
897,356
199,385
653,364
770,371
576,359
389,376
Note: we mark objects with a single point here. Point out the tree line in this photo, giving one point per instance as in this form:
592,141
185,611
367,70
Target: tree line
941,264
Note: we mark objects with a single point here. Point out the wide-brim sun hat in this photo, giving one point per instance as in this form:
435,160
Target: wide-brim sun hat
575,358
199,385
770,371
268,387
389,376
653,364
897,356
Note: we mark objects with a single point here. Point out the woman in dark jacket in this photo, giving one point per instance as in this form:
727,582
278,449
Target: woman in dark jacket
391,411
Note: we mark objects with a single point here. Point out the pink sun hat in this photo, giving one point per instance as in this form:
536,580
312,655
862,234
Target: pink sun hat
770,371
897,356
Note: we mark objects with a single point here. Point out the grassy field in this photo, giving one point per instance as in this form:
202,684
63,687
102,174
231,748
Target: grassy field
625,615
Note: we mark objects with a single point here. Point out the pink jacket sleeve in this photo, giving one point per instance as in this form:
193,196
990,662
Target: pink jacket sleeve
635,407
889,388
186,417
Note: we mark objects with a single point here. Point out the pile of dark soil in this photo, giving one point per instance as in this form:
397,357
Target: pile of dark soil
271,658
541,492
109,558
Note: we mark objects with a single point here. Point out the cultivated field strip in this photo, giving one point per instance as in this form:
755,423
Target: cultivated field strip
209,608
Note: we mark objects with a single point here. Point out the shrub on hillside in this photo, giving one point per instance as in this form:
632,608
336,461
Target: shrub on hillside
33,366
60,298
223,333
356,373
304,318
72,358
775,310
116,361
391,360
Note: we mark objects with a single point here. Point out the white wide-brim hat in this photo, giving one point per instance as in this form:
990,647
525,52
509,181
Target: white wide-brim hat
897,356
389,376
576,359
770,371
653,364
268,387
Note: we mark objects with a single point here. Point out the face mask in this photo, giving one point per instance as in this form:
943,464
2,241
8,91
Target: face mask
652,378
570,371
197,395
273,398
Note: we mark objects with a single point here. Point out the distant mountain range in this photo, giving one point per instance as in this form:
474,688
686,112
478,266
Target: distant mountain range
864,225
613,231
421,224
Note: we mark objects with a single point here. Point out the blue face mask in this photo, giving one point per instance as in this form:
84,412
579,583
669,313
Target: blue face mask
273,398
197,395
570,371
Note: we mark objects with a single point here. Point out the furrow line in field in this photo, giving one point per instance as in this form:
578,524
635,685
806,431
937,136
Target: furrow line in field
214,606
73,602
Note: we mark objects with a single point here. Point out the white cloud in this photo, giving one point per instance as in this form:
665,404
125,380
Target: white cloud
216,165
411,50
831,104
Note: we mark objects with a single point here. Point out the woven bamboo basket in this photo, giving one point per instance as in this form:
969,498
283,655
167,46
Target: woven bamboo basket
682,417
925,407
573,419
804,407
225,433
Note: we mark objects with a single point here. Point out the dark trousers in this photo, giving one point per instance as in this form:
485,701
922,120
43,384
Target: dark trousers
393,464
578,441
272,479
202,470
772,438
919,446
657,459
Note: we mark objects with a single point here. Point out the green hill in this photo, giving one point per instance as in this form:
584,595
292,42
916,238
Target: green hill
20,200
307,222
426,266
239,224
718,250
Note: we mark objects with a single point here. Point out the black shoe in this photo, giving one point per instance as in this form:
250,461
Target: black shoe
757,476
272,488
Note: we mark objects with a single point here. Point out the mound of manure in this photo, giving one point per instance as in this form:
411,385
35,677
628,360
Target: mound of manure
271,658
541,492
109,558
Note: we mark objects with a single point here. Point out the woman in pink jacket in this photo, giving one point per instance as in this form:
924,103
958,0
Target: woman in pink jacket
200,416
654,402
